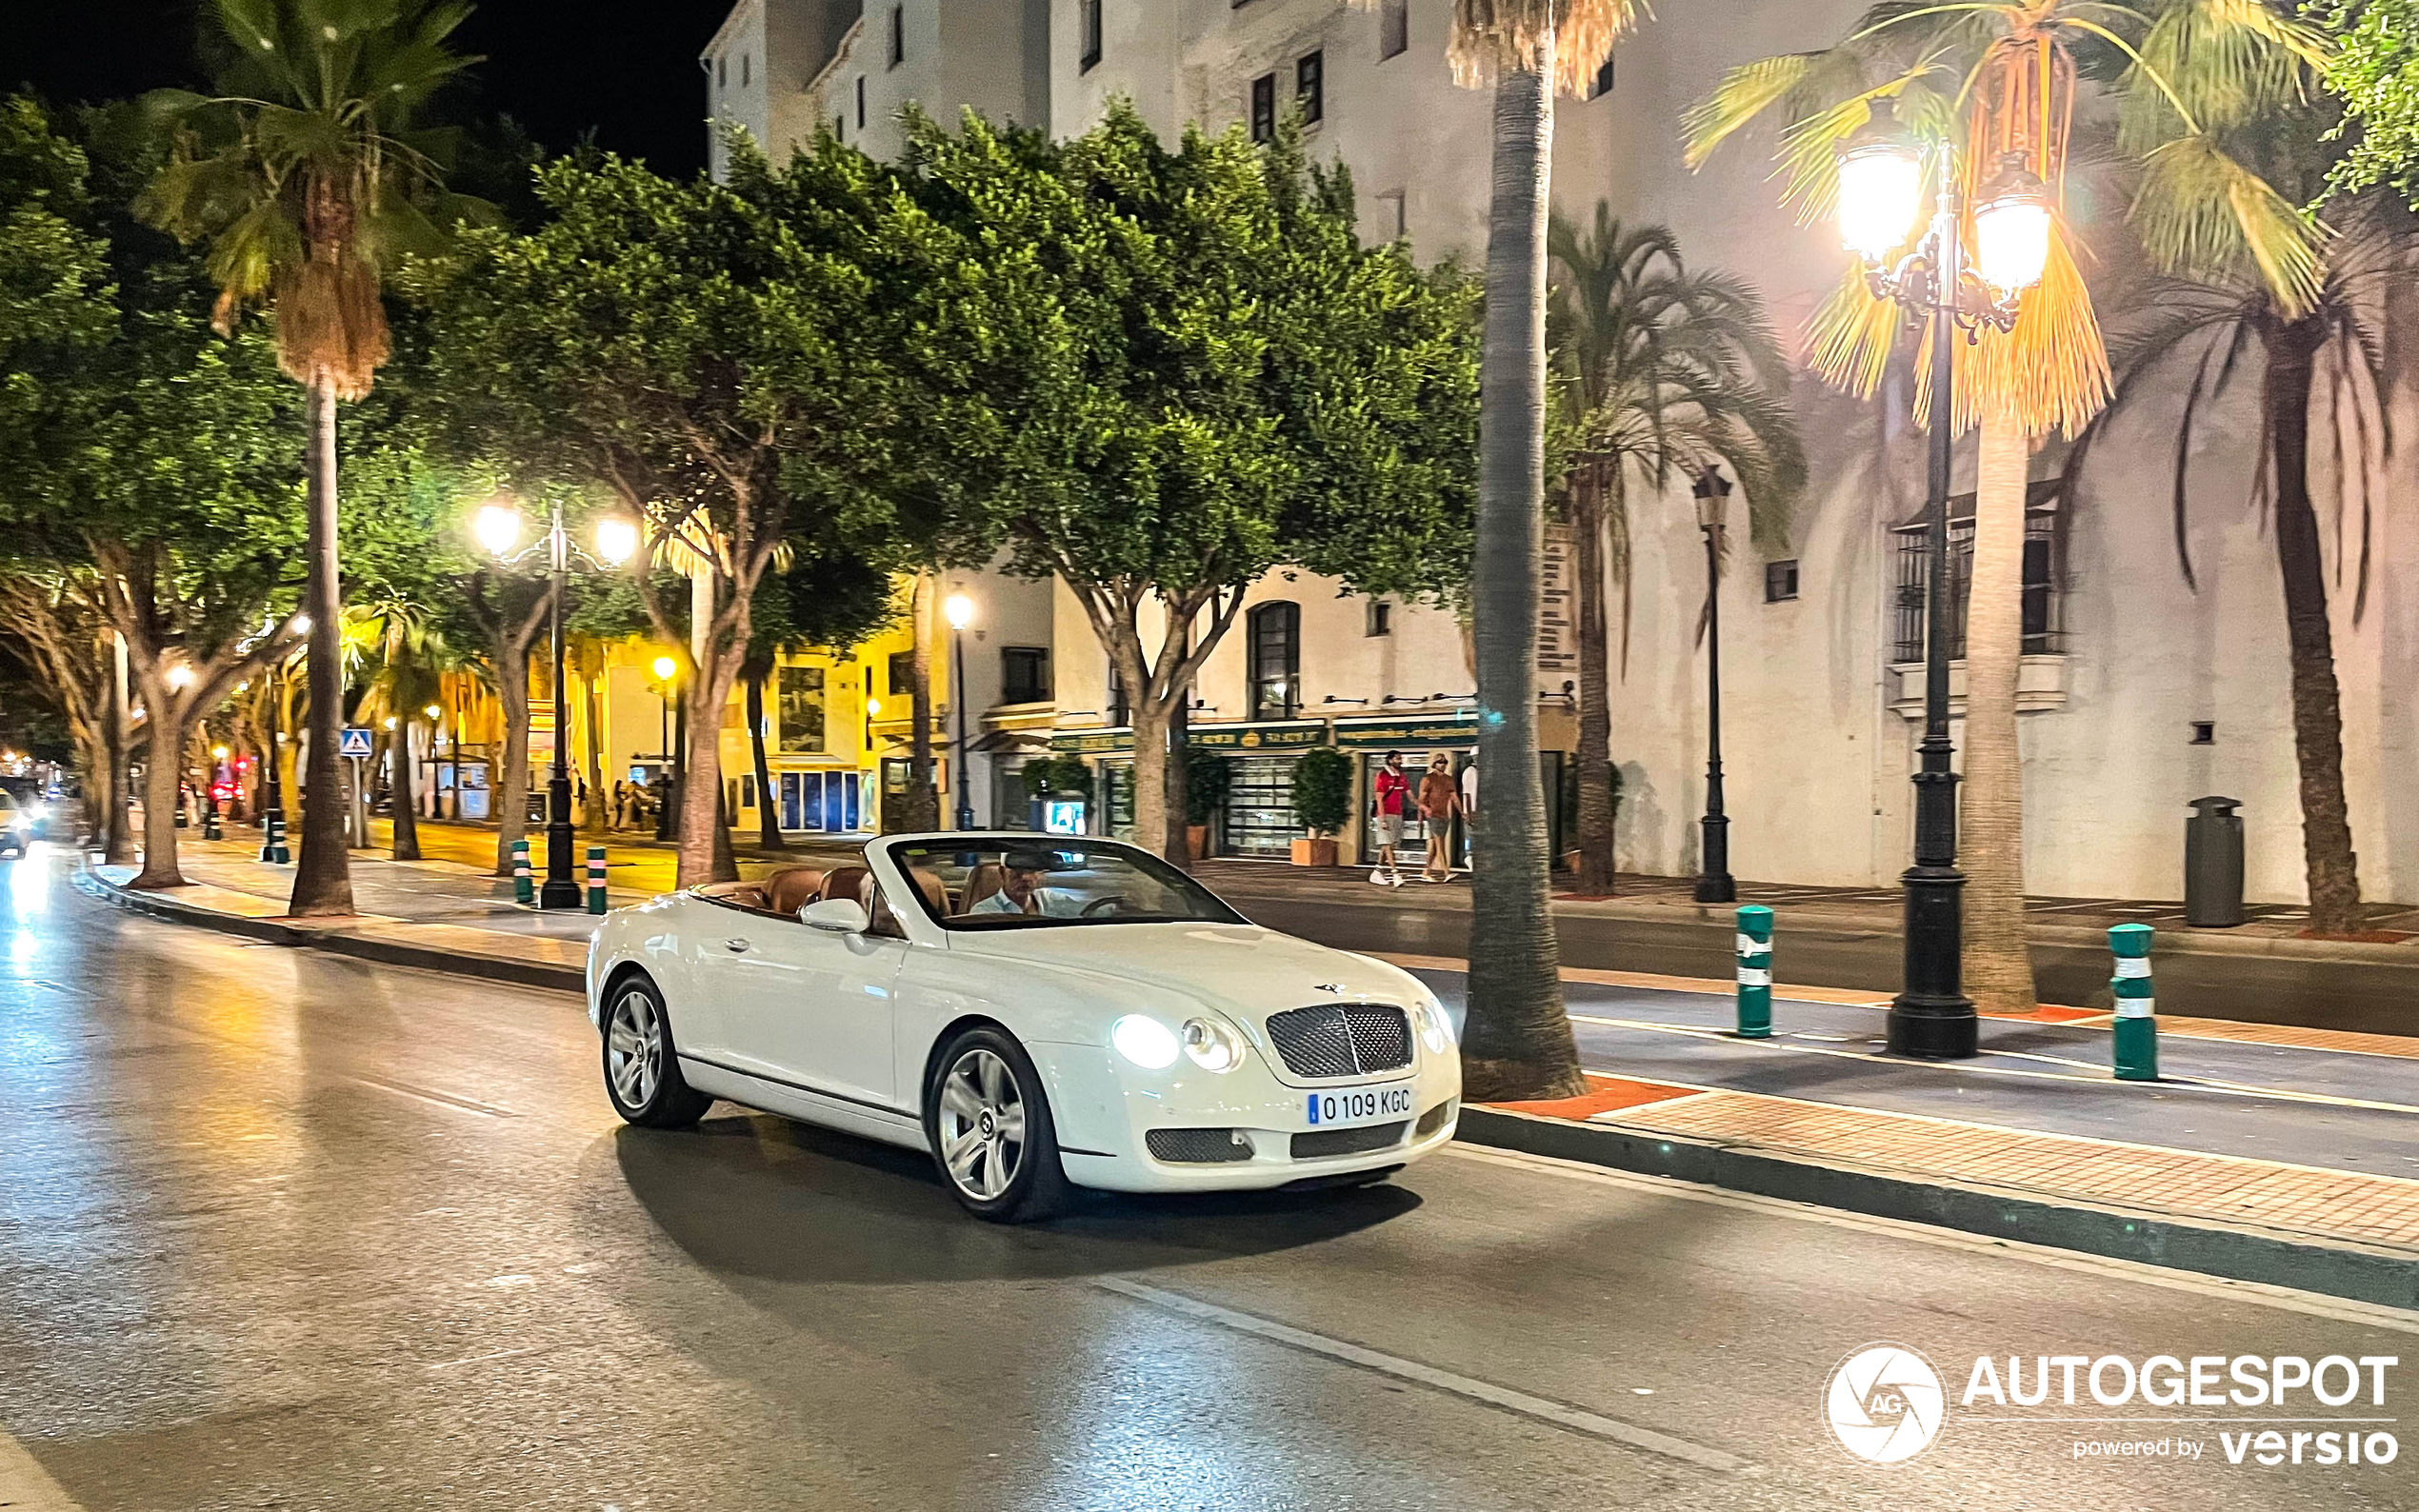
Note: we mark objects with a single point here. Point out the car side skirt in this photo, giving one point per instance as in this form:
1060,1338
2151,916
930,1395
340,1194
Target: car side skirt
804,1104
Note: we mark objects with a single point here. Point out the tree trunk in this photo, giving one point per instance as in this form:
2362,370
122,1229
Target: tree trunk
1151,813
323,873
407,826
2318,723
768,816
162,777
1175,844
1594,756
921,803
594,818
511,788
705,843
1518,1041
1998,956
117,830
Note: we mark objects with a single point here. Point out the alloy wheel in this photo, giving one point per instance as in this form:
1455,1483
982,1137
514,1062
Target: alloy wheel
982,1124
634,1049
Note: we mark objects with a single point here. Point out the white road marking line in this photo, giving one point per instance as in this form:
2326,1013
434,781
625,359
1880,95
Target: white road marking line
2338,1309
441,1099
25,1487
1560,1414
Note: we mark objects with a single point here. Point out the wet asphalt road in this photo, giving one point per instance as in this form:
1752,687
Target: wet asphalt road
286,1230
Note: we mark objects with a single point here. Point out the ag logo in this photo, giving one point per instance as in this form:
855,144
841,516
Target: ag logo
1884,1403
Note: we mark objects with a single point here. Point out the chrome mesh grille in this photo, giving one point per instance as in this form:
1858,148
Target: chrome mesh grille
1197,1146
1320,1143
1345,1039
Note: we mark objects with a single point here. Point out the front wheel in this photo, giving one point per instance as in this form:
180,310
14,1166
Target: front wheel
642,1072
987,1120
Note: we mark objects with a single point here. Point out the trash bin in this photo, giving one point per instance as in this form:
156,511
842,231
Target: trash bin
2213,864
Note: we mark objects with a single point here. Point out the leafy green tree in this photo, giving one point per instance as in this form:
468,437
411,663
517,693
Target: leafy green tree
699,359
1670,374
148,477
1163,374
306,173
2375,72
830,597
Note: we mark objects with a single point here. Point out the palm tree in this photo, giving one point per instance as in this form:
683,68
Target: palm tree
1669,374
1518,1041
306,173
412,657
2186,77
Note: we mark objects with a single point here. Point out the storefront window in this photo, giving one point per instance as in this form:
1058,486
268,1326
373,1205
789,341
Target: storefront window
800,709
1260,817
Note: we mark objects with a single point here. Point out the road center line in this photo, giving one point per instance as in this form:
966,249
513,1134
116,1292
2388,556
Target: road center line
441,1099
1487,1393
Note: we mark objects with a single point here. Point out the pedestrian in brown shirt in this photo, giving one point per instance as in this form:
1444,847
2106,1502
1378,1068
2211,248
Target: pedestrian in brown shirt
1440,799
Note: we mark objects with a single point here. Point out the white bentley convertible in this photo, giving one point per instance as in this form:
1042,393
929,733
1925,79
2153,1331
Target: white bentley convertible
1035,1010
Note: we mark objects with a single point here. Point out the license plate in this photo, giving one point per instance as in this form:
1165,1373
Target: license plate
1363,1104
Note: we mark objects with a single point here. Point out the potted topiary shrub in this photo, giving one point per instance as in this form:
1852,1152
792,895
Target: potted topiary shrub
1322,802
1207,779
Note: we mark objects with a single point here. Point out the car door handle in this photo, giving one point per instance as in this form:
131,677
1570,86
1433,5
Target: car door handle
736,945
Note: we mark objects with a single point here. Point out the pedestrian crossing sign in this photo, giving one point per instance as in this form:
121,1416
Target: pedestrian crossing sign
354,741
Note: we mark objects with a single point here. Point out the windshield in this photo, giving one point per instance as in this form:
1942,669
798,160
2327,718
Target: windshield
1003,883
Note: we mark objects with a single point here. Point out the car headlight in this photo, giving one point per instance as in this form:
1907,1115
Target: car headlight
1213,1045
1435,1027
1144,1040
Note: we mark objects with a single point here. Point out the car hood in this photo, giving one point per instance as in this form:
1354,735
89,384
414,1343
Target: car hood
1241,970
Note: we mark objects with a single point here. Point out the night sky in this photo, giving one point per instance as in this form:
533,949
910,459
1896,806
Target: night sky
625,69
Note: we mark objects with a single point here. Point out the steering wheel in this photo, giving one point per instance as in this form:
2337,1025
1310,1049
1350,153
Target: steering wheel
1100,905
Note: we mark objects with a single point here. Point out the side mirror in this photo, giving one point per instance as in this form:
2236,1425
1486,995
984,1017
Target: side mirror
837,915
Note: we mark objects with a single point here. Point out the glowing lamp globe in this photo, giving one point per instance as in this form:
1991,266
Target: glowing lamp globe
616,541
1881,186
2011,229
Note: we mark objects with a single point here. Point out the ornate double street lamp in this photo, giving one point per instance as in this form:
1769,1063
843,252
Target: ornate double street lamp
499,529
1881,193
1714,878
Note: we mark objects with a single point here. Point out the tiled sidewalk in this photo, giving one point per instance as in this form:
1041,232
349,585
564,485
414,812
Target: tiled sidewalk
2294,1200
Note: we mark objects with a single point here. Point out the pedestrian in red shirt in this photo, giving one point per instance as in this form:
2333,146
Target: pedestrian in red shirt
1389,806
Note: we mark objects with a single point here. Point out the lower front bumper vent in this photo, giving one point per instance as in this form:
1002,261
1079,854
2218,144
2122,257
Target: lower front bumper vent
1197,1146
1434,1117
1326,1142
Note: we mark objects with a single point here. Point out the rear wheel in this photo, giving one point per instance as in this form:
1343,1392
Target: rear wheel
989,1122
642,1072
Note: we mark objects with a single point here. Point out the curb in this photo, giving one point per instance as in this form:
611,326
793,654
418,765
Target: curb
2353,1271
337,941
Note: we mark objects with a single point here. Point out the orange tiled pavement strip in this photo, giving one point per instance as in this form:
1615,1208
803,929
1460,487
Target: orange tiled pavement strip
2337,1205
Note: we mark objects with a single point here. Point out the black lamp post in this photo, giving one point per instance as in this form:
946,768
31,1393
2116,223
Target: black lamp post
1713,877
499,524
1881,194
960,610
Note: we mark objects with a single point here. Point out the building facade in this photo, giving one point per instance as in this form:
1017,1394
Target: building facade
2142,690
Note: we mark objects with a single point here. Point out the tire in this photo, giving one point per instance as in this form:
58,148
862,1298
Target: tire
983,1085
642,1072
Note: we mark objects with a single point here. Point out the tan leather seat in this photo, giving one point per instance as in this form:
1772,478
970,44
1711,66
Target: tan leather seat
877,902
792,888
985,881
843,882
936,891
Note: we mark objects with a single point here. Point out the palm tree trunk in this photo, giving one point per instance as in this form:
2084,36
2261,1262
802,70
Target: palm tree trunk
1594,756
512,781
2318,723
1998,959
406,824
323,873
768,816
1518,1043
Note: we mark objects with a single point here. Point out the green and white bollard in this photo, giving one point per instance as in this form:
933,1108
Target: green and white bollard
273,841
596,879
524,888
1756,973
2137,1024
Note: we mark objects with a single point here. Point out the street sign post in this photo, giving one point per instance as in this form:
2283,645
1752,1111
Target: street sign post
353,742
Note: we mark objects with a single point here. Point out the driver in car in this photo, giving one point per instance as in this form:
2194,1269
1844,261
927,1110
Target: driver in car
1023,892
